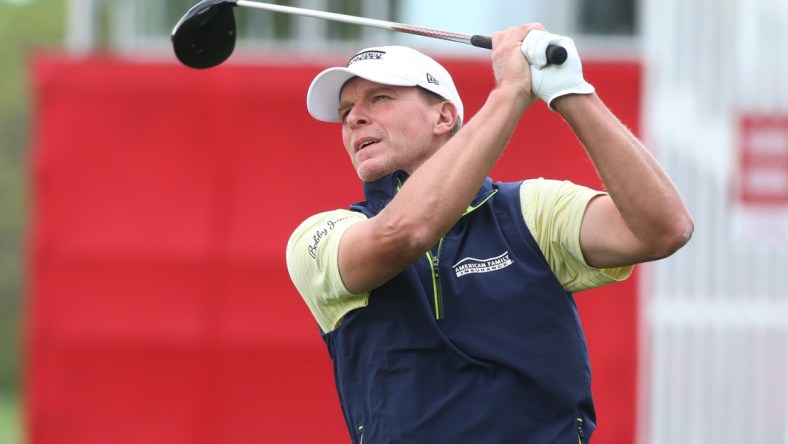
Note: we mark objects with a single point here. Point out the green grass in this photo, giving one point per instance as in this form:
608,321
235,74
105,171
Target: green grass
10,419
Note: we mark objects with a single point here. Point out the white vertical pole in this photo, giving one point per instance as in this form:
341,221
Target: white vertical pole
378,10
310,31
125,33
80,26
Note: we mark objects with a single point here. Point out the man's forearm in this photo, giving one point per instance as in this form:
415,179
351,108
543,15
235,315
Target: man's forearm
643,193
439,191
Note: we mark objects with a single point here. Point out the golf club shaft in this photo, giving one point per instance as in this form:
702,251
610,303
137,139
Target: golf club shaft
475,40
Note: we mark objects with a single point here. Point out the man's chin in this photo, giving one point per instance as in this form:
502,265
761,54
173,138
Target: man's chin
370,178
367,173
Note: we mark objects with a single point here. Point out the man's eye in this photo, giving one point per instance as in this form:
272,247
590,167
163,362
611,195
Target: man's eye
378,98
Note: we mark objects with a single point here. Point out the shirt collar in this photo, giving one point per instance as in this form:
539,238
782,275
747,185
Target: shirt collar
380,192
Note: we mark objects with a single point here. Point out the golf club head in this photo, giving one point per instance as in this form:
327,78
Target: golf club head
205,36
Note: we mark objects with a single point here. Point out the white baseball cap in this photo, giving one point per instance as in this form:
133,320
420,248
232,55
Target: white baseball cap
389,65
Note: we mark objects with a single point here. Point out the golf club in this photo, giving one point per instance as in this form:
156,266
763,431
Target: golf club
205,36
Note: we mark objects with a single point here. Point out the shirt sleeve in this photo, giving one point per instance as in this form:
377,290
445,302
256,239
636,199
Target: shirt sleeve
553,211
312,262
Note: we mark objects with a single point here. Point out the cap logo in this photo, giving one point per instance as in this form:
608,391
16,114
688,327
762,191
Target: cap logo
431,79
366,55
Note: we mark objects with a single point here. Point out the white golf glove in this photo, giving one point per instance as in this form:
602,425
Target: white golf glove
549,82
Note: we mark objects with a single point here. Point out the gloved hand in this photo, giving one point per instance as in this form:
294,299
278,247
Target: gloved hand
549,82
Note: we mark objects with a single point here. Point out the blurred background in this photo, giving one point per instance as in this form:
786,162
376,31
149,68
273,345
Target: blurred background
86,84
17,42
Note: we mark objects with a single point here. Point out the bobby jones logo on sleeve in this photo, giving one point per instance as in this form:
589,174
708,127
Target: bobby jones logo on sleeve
473,265
320,233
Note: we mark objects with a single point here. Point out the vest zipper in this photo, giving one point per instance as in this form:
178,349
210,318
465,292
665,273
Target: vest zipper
434,261
436,281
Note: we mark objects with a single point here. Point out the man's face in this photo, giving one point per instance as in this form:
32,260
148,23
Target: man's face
386,128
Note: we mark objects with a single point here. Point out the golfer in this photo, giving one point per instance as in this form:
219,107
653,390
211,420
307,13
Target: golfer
445,299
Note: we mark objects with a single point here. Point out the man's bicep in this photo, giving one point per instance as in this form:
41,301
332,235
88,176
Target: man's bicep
554,212
605,239
368,257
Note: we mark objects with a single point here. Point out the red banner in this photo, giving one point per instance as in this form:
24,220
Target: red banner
763,173
160,308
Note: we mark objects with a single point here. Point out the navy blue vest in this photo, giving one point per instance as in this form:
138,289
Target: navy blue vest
485,347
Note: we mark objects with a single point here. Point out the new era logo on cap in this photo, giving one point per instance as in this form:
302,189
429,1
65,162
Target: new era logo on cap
433,80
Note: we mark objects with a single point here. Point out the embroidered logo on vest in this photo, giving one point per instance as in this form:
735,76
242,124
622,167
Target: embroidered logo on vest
473,265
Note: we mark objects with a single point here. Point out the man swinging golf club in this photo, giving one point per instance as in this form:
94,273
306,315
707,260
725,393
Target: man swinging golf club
445,299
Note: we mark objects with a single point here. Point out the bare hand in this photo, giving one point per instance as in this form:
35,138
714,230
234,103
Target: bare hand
511,69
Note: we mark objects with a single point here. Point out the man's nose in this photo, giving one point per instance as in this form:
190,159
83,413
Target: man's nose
357,116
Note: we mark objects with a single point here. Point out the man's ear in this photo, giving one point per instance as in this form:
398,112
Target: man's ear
446,119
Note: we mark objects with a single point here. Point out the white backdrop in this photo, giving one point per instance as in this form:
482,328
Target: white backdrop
715,316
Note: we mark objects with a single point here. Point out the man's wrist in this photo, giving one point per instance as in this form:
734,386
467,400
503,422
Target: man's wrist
519,100
566,102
